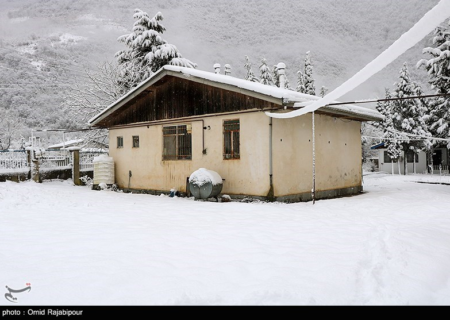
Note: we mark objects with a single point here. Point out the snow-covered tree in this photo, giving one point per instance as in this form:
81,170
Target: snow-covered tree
11,127
146,50
392,138
275,78
305,80
415,120
309,80
265,73
103,86
250,76
407,116
403,89
368,131
323,91
438,67
300,82
287,84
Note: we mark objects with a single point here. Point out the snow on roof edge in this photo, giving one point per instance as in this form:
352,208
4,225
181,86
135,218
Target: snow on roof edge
67,143
271,91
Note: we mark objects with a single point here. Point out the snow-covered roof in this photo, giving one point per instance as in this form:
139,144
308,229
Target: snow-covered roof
244,86
65,144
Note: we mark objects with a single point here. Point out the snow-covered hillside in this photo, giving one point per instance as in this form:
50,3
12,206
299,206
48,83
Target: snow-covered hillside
388,246
46,45
341,35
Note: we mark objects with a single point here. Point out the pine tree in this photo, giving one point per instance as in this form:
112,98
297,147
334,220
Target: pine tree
300,82
438,67
147,51
309,80
416,120
392,139
305,81
275,79
323,91
405,113
287,84
250,76
266,77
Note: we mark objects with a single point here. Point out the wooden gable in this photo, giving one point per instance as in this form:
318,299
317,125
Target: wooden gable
173,97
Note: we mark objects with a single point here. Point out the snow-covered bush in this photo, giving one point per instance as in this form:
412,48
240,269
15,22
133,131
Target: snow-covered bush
87,180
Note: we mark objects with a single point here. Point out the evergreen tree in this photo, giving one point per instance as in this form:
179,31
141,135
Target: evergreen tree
300,82
146,50
309,80
416,120
275,79
305,81
323,91
266,77
287,84
407,114
250,76
438,67
392,139
403,89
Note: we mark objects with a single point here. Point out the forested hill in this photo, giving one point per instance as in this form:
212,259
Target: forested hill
46,45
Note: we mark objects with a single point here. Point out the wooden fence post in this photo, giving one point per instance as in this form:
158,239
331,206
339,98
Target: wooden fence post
75,151
34,165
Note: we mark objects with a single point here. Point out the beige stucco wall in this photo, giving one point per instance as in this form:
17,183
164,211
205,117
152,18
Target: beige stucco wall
249,175
338,154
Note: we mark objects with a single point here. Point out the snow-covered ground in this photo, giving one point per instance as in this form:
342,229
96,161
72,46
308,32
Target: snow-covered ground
390,245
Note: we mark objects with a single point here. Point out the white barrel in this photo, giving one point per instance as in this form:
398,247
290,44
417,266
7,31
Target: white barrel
103,170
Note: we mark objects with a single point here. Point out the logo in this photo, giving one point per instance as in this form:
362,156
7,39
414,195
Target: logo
11,298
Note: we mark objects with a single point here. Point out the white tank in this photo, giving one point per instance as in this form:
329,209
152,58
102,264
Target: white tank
103,170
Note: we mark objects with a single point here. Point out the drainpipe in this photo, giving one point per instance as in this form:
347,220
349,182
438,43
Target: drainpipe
270,195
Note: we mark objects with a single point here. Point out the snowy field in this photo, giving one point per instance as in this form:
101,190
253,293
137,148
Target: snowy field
389,246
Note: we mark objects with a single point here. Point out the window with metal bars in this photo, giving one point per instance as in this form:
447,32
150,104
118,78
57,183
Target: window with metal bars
177,142
119,142
231,145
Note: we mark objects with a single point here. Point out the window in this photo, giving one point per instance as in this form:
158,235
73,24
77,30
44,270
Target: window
119,142
231,147
177,142
387,158
410,157
135,141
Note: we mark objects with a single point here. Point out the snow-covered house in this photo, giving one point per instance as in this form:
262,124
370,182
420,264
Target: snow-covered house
441,160
182,119
414,162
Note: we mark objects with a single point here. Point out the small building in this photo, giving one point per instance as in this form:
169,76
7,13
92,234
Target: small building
396,166
419,165
181,119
